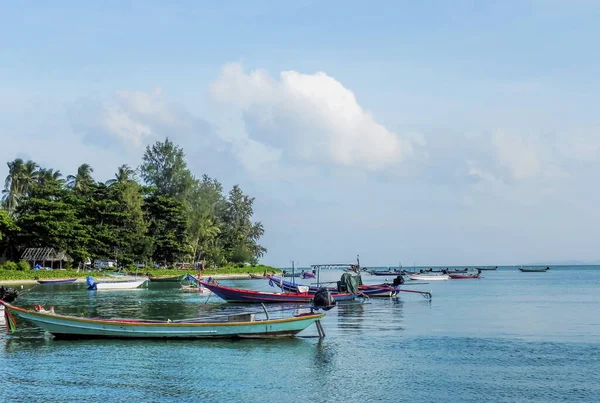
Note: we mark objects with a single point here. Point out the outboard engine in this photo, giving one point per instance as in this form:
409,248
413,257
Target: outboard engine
8,294
91,285
323,300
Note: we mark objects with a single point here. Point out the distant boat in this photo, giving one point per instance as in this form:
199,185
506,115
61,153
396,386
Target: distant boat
233,326
464,276
58,281
257,276
532,270
308,274
429,277
487,268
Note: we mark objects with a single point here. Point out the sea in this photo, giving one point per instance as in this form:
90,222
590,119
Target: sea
506,337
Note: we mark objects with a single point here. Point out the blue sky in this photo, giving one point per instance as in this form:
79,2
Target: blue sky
430,132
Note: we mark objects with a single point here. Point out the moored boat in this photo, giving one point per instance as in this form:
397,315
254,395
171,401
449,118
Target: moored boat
57,281
114,285
429,277
464,276
172,279
231,294
534,270
257,276
308,274
234,326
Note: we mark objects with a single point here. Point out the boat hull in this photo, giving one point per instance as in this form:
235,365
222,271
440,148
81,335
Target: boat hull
534,270
463,276
69,327
120,285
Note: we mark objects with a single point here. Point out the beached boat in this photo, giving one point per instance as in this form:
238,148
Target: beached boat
172,279
429,277
57,281
257,276
234,326
231,294
532,270
286,273
114,285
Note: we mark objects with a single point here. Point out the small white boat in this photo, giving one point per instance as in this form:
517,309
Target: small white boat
429,277
114,285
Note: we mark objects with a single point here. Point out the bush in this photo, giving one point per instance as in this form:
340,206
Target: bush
23,266
10,266
68,265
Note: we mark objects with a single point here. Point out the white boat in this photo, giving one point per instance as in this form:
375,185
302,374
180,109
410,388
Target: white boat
115,285
429,277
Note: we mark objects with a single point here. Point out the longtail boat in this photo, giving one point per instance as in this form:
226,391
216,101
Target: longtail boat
231,294
308,274
234,326
532,270
173,279
257,276
487,268
460,276
57,281
384,272
377,290
429,277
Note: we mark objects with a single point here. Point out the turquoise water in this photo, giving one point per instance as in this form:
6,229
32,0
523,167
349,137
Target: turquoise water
507,337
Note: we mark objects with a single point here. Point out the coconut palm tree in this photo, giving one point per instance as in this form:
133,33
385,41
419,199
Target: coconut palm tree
83,180
47,175
19,181
124,174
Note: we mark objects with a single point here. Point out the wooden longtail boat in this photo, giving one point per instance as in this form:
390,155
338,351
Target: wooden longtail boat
231,294
384,273
257,276
534,270
236,326
173,279
377,290
456,276
57,281
308,274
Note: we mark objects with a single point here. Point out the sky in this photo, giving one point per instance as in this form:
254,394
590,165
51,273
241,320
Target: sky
431,133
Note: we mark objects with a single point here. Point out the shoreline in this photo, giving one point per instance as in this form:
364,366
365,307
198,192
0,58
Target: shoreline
125,278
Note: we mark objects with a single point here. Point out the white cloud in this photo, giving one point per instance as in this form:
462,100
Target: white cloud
310,117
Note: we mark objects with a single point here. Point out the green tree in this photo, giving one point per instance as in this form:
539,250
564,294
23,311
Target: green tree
164,166
48,218
240,234
18,183
124,174
167,219
7,225
82,181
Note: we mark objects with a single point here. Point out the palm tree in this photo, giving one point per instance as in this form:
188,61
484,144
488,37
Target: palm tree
19,181
124,174
47,175
83,180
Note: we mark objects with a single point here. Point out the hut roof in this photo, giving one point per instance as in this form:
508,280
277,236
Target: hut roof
45,254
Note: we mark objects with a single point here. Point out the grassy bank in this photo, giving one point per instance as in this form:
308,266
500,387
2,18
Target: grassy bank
53,274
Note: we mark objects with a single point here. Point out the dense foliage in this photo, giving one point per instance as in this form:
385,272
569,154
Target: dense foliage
171,217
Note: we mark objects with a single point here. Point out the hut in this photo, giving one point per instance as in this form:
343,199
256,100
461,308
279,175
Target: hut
45,256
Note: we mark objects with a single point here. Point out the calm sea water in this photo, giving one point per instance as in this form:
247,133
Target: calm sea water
507,337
